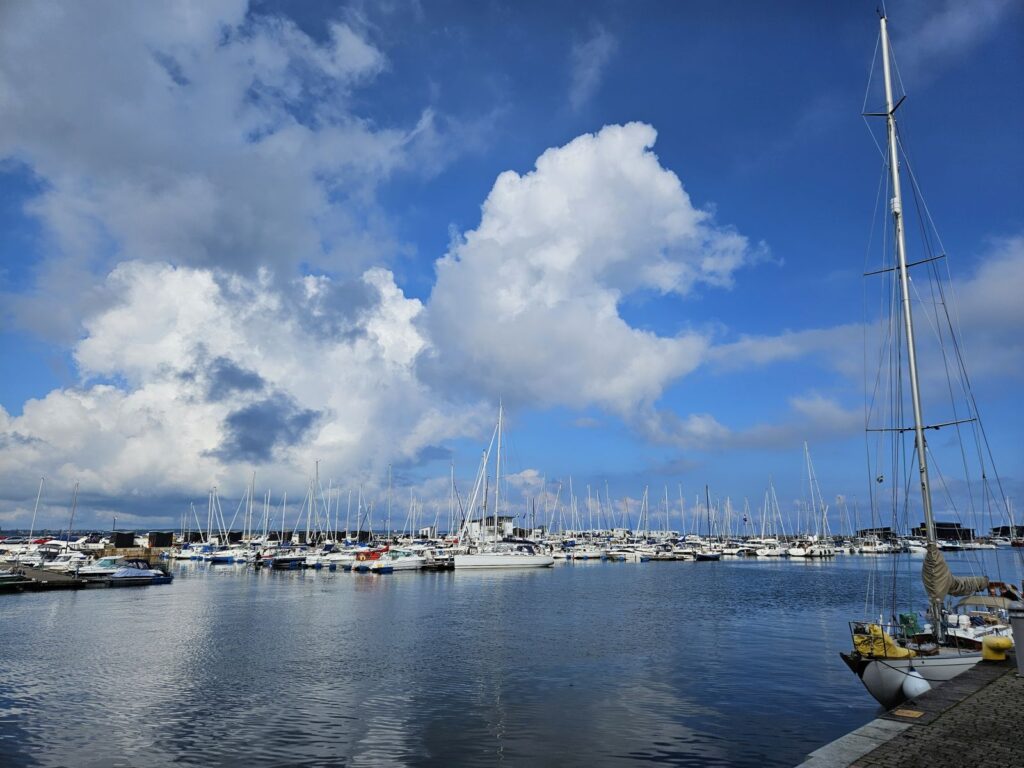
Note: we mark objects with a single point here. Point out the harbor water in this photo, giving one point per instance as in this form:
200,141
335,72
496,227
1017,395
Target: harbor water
730,663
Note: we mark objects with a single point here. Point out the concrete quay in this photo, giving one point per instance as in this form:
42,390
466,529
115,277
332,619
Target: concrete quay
976,718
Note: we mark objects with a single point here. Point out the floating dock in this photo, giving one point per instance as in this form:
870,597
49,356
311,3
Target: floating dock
974,718
26,579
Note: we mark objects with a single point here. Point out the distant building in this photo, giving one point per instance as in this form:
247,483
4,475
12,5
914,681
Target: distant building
160,539
947,531
884,534
122,539
484,528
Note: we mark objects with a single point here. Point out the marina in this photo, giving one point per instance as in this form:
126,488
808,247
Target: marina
585,662
465,400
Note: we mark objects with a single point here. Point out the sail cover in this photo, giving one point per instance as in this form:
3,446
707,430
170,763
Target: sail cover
939,581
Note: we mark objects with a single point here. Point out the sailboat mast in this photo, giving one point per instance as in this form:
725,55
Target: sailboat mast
71,520
32,528
451,497
707,505
497,475
901,256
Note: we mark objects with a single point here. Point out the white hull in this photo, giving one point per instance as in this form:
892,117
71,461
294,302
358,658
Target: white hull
340,558
587,554
884,678
626,556
503,560
413,563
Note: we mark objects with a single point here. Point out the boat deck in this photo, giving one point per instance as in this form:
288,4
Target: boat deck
975,715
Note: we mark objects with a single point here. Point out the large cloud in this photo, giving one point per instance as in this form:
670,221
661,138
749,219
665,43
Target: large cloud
526,306
193,373
189,372
193,133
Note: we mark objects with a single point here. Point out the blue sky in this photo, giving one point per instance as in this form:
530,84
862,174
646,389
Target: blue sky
246,237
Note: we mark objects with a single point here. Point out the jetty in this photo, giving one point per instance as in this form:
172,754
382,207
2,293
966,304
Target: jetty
29,579
975,715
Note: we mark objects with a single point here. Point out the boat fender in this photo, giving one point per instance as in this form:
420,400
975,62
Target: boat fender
994,648
914,684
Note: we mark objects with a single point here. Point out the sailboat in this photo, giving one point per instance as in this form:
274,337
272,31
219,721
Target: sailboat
488,550
819,543
708,553
906,658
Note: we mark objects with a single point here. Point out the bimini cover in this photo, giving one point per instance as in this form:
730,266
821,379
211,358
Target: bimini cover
986,601
879,644
939,581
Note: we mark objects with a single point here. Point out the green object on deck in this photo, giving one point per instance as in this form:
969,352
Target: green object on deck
910,624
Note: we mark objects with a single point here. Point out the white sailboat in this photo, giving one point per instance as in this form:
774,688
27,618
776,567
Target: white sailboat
488,551
905,659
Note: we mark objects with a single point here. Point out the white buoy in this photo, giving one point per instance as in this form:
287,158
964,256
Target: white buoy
914,684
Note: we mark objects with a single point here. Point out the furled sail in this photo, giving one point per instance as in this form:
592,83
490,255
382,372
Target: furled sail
939,581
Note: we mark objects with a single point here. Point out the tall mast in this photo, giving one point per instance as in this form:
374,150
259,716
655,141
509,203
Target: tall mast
71,520
32,528
248,514
451,498
497,475
901,256
707,507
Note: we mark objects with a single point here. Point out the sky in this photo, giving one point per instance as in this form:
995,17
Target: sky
290,238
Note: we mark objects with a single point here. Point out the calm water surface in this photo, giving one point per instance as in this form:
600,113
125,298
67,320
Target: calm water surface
732,663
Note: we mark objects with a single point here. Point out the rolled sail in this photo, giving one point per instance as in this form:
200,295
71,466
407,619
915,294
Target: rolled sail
939,581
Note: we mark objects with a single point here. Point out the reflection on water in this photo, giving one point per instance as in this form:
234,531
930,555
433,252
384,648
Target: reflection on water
730,663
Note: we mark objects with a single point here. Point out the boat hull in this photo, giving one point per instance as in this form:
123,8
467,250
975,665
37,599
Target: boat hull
884,678
498,560
400,564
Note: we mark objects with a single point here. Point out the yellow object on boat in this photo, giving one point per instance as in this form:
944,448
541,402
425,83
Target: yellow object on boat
879,644
994,648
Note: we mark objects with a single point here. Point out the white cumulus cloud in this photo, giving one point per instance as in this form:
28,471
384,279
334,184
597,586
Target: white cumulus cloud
526,306
194,374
